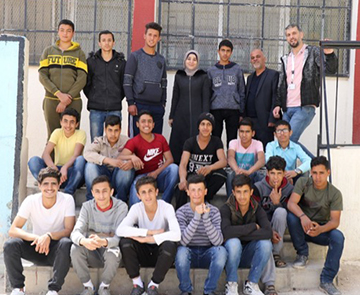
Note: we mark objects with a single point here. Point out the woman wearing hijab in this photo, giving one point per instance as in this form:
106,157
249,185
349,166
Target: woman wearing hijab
191,97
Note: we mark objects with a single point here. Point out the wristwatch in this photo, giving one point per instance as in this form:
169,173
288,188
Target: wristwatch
298,171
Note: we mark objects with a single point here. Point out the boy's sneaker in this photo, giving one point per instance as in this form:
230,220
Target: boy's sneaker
88,291
51,292
17,291
300,261
104,291
231,288
137,290
329,288
252,289
152,290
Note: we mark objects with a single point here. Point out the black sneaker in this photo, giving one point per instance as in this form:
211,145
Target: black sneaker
137,290
300,261
329,288
153,290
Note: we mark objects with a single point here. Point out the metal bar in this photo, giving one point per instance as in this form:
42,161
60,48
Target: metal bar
340,44
228,20
336,145
61,9
262,26
95,23
25,17
130,28
322,73
336,100
193,25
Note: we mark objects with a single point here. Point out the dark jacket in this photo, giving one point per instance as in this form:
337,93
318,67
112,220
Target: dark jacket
191,97
104,87
310,83
234,225
262,191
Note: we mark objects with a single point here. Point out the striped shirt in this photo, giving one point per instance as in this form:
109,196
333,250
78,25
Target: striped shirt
199,230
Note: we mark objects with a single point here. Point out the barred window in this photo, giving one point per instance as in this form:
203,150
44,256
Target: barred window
202,24
38,21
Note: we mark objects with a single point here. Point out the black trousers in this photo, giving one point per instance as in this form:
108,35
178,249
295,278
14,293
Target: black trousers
135,254
231,118
58,258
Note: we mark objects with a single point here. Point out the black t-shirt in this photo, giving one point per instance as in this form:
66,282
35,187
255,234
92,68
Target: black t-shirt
199,157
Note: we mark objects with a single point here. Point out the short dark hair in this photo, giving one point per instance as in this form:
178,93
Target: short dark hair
321,160
276,162
70,112
100,179
66,22
290,26
282,122
154,26
196,178
112,120
226,43
48,172
240,180
246,122
145,180
106,32
145,112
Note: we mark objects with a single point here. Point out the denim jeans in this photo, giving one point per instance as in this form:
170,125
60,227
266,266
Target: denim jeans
299,118
166,182
75,173
255,177
97,119
120,180
334,239
254,254
208,257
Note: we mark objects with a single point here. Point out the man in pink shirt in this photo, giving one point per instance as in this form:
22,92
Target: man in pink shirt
299,82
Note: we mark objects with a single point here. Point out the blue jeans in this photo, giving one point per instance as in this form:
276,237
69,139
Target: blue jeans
334,239
255,177
254,254
211,257
75,173
299,118
120,180
166,182
97,119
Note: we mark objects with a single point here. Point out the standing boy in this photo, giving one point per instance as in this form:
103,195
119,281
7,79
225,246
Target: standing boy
150,232
228,98
62,72
145,81
52,215
201,238
68,144
245,154
104,87
151,156
95,242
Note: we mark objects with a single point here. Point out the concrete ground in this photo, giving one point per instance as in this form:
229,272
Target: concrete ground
348,280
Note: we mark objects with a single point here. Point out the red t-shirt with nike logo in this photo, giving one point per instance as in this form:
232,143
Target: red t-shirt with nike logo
151,153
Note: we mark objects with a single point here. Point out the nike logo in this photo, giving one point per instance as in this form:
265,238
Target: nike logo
151,154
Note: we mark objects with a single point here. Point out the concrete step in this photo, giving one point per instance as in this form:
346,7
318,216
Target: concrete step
287,279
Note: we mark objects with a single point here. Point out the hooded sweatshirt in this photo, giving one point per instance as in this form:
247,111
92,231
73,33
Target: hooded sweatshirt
63,71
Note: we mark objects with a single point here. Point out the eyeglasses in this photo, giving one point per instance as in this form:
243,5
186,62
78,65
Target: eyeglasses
278,131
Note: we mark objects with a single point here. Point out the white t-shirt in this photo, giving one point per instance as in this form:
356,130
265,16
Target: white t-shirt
47,220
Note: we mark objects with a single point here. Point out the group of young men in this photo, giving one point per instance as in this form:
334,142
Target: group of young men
248,229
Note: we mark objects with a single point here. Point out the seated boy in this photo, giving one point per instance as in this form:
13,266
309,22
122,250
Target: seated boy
247,233
201,238
202,154
68,144
93,236
273,193
314,215
52,215
245,155
102,158
288,150
147,151
150,233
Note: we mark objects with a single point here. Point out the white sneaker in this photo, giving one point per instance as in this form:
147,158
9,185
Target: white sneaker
51,292
252,289
231,288
17,291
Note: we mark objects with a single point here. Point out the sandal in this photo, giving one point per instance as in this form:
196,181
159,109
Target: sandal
270,290
279,262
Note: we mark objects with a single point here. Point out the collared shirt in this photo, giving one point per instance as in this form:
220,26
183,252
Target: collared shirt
290,154
294,95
